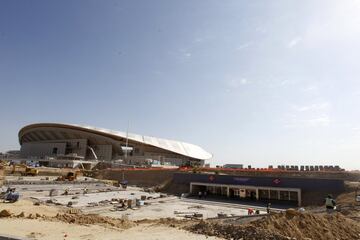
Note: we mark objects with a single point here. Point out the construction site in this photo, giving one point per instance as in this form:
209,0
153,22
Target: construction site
76,182
152,203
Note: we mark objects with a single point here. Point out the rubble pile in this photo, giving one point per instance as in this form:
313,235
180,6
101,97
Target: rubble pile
288,225
229,231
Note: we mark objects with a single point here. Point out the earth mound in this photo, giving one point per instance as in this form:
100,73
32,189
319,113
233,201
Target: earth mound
288,225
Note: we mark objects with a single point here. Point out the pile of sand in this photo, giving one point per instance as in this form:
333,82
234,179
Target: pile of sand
229,231
346,198
5,213
75,218
312,226
90,219
28,207
289,225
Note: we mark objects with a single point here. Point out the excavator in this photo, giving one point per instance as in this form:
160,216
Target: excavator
70,176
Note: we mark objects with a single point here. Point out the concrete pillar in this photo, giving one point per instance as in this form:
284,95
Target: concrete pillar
278,191
257,194
191,186
227,191
299,198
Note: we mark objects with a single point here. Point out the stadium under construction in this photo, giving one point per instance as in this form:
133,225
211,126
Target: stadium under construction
64,145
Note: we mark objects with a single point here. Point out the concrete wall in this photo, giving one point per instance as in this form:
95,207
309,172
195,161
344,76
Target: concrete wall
77,146
103,152
41,149
68,146
142,178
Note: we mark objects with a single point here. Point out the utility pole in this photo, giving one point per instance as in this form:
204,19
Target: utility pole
126,148
127,140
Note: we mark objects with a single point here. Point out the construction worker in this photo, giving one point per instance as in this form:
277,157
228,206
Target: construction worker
66,192
268,208
330,203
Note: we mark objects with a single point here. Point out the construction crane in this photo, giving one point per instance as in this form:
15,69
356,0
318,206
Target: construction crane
93,152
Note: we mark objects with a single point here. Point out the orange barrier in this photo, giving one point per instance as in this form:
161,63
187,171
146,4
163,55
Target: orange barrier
142,169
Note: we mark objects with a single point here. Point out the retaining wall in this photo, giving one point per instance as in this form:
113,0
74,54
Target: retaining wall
141,178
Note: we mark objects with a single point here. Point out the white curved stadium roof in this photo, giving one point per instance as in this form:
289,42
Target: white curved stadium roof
183,148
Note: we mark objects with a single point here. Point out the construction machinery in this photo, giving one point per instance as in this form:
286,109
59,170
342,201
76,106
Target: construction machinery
124,184
24,170
10,195
114,183
86,172
70,176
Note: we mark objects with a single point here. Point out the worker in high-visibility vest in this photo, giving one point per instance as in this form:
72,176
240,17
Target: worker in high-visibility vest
330,203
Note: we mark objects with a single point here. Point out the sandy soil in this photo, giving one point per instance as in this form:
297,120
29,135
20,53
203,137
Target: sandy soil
28,207
43,230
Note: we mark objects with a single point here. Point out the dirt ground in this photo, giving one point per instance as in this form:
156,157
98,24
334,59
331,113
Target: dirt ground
348,197
47,230
56,222
28,207
51,222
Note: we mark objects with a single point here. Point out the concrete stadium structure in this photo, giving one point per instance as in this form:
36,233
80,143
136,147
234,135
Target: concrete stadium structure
55,140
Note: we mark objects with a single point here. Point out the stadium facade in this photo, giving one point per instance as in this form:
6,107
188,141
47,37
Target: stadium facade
57,141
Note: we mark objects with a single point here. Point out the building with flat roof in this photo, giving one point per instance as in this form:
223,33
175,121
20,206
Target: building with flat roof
299,191
55,140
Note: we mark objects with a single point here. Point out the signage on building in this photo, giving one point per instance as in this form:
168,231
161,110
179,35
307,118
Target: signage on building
276,181
239,179
211,178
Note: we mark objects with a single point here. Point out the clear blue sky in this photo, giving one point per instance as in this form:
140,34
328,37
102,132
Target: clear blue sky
253,82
